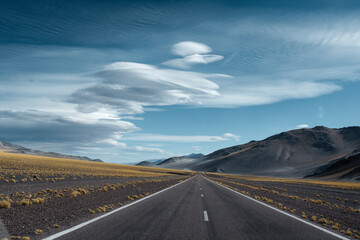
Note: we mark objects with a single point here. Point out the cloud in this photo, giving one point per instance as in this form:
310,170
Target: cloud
192,53
231,136
249,93
196,148
302,126
40,126
179,138
146,149
189,48
129,87
188,61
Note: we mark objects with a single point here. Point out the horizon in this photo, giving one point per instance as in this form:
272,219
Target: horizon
150,80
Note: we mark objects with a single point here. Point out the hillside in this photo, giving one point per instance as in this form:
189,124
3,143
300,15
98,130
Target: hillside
345,168
295,153
13,148
179,162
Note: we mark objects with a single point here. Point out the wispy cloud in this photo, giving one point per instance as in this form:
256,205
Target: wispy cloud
49,127
179,138
196,148
302,126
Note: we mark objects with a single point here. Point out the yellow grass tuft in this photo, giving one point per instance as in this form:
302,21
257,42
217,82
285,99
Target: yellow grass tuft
25,202
5,204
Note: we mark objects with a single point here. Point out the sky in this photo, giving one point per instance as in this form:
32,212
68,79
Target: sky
126,81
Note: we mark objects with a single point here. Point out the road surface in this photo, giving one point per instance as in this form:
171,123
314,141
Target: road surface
197,209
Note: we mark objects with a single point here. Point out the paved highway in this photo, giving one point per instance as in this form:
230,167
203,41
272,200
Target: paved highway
197,209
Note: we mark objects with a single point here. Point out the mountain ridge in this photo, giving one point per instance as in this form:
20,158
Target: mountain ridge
294,153
13,148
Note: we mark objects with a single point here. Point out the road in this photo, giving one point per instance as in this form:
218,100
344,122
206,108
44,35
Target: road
197,209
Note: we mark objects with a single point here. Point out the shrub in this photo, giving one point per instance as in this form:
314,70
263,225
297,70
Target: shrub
348,232
5,204
25,202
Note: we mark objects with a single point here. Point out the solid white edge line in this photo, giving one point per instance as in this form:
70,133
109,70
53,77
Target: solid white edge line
287,214
59,234
206,217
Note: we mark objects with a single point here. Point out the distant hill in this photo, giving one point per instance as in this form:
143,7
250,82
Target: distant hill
146,164
295,153
13,148
309,152
173,162
181,158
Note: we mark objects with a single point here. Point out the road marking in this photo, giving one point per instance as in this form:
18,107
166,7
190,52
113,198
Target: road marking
206,217
200,189
287,214
59,234
202,195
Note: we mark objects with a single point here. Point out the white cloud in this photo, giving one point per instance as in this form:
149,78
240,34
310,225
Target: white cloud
196,148
189,48
129,87
190,60
302,126
146,149
50,127
192,53
231,136
179,138
124,146
248,92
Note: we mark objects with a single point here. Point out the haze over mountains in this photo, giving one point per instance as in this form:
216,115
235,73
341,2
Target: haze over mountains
13,148
311,152
167,163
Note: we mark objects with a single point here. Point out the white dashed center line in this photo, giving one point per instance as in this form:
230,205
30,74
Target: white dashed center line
206,217
202,195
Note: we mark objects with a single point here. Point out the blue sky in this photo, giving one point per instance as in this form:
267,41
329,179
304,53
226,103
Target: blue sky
130,81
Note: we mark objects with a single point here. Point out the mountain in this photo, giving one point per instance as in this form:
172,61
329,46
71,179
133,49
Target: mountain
311,152
146,164
296,153
13,148
173,162
345,168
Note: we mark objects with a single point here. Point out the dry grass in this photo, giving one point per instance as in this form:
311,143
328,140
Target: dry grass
323,183
5,204
40,168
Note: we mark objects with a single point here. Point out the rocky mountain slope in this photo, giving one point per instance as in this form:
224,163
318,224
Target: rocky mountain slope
295,153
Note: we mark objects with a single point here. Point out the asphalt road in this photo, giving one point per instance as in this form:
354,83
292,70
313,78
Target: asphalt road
197,209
